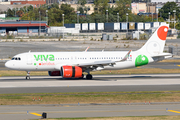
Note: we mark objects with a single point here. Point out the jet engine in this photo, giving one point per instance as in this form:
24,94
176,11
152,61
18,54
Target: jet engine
71,72
54,73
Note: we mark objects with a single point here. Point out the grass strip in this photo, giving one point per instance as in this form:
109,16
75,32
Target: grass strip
90,97
124,71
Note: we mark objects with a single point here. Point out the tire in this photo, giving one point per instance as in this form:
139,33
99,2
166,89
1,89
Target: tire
89,76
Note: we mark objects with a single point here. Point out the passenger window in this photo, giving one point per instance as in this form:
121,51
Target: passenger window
19,58
15,58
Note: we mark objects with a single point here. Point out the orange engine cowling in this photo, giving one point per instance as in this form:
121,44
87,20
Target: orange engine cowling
54,73
71,72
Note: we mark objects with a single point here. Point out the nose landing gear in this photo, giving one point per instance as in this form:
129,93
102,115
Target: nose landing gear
28,75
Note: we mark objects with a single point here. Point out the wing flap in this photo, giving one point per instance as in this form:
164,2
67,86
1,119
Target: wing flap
96,63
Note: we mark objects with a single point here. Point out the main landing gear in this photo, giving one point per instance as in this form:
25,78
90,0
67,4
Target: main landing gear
89,76
28,75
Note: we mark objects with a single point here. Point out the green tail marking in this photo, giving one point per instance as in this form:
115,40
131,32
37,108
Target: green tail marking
141,60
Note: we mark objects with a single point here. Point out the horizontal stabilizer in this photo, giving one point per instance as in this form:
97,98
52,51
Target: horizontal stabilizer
162,55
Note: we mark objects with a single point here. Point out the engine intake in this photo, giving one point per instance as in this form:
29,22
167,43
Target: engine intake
54,73
71,72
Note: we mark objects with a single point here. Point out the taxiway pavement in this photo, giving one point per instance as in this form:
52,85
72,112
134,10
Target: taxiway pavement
100,83
22,112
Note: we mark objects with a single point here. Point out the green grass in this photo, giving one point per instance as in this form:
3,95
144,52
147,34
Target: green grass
90,97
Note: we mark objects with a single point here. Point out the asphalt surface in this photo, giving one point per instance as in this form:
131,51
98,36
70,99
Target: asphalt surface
100,83
22,112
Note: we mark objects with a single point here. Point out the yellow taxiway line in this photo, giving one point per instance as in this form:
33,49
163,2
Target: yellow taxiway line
36,114
174,111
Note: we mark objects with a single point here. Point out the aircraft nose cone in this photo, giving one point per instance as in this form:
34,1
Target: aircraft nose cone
7,64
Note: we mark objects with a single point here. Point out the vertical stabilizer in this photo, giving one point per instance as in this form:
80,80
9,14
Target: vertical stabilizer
155,44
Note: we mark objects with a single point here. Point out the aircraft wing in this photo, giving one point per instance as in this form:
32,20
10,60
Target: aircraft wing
97,63
103,62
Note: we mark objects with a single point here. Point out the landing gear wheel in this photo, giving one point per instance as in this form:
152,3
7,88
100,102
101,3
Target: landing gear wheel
27,77
89,76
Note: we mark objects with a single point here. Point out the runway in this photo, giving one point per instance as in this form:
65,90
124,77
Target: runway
23,112
100,83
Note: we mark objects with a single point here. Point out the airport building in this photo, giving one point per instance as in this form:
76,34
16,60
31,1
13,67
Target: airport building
23,27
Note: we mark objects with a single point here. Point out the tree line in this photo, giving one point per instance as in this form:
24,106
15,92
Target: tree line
103,12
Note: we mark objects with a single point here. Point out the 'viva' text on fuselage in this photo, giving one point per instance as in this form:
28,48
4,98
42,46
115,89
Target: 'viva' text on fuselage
44,57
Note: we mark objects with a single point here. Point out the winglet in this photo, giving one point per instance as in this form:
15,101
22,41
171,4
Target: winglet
126,56
86,49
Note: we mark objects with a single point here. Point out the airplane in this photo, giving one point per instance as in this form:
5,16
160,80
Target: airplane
74,64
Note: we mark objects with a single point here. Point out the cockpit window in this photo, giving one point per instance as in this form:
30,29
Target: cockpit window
16,58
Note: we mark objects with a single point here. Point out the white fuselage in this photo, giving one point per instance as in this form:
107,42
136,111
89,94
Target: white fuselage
51,61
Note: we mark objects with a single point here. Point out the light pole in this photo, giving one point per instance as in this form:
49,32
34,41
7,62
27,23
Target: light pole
63,25
107,15
118,17
169,17
47,16
63,18
118,21
78,16
127,21
174,17
152,17
157,14
161,14
15,12
39,23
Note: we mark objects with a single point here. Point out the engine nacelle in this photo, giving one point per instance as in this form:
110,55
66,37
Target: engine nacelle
54,73
71,72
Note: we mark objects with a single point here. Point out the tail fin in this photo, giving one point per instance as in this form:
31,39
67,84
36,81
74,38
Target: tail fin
155,44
